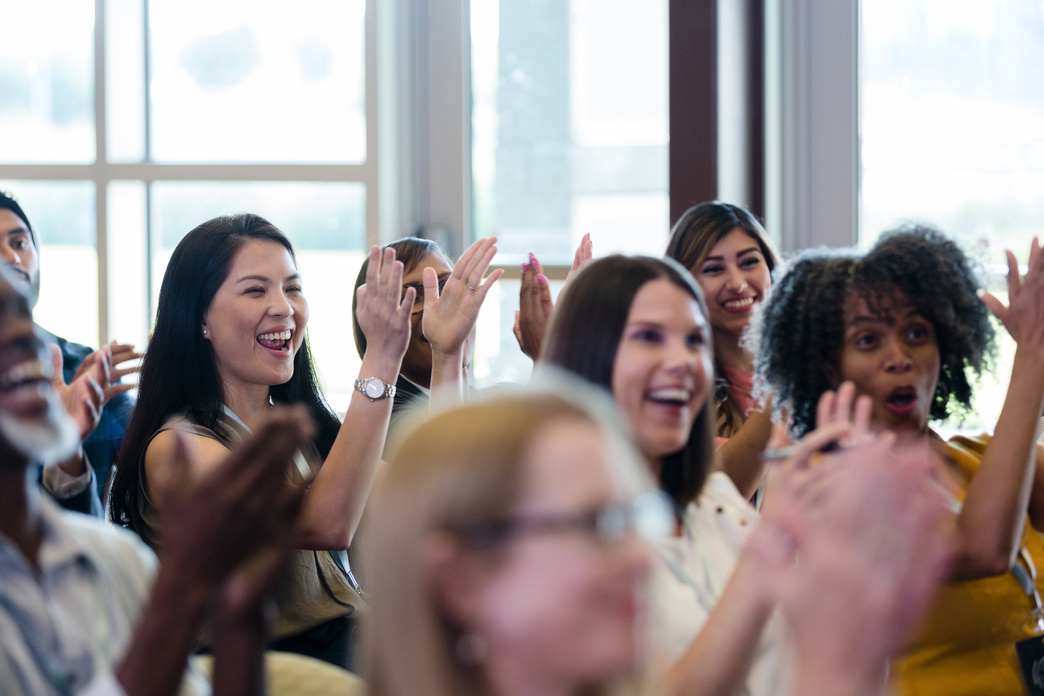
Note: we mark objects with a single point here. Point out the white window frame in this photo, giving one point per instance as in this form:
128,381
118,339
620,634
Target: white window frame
381,178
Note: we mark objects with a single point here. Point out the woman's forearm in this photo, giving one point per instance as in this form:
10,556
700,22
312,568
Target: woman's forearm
990,525
716,663
335,501
447,377
740,456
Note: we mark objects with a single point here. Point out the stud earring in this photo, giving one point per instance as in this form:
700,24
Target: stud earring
204,332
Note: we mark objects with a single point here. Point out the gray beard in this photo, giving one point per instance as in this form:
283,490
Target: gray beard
47,440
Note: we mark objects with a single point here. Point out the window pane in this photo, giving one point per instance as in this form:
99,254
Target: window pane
240,81
326,223
62,214
952,119
497,358
952,116
569,125
47,82
125,80
128,271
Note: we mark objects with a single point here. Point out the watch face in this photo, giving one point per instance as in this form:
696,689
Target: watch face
374,388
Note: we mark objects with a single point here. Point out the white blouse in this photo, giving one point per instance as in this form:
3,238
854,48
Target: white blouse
690,572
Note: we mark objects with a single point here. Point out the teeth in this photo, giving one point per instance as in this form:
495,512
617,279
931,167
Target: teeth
670,394
736,304
277,336
22,372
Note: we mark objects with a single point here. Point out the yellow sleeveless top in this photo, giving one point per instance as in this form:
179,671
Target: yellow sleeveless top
967,642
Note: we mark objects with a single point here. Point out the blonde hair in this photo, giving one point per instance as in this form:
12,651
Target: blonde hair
453,468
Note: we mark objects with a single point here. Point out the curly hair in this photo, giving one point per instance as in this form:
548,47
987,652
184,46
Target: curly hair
692,238
799,335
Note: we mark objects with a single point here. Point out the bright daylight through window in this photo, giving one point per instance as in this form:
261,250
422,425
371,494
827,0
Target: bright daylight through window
952,131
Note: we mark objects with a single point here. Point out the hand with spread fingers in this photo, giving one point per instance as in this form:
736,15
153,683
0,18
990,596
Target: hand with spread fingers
534,301
84,397
214,523
867,528
1023,317
226,536
450,315
842,420
119,354
382,308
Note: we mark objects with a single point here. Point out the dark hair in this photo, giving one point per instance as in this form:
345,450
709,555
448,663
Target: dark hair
692,238
411,251
7,202
585,332
800,334
178,371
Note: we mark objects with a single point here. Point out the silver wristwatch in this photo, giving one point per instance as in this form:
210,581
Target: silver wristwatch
375,388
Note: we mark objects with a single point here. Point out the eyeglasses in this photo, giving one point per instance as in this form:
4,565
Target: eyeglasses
649,515
419,288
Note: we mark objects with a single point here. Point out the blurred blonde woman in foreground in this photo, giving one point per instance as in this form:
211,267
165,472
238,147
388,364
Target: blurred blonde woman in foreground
505,559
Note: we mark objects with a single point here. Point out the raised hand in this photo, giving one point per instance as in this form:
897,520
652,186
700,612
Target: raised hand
867,529
225,535
841,419
84,397
1023,317
534,308
120,353
534,299
236,511
382,309
583,254
450,316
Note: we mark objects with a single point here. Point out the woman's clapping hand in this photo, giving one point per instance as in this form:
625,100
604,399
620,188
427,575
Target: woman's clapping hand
866,527
382,308
450,317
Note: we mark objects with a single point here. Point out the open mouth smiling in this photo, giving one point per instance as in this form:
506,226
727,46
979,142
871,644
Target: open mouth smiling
670,396
278,341
739,304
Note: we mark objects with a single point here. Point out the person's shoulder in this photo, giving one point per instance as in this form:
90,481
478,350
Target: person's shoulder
966,451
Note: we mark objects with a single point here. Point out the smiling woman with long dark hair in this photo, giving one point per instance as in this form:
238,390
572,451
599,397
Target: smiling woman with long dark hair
229,341
732,259
637,326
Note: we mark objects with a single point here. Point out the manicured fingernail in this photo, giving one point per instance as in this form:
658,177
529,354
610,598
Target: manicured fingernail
541,279
532,259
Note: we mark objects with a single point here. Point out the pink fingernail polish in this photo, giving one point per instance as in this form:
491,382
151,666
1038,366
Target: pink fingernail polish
532,258
541,279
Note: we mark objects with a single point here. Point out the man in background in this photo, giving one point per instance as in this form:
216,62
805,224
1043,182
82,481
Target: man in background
80,374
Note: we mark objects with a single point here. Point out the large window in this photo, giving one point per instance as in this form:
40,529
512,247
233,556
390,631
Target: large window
138,119
569,136
952,117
